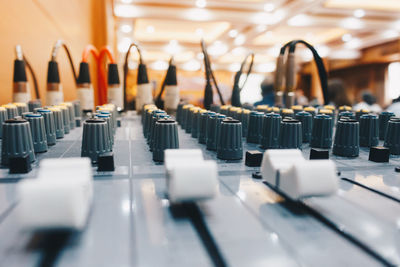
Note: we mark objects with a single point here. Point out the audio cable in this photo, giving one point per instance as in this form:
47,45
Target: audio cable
170,86
110,90
235,99
208,92
144,88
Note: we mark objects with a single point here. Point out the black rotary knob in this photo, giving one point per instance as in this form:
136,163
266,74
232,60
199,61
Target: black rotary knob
203,126
347,134
306,120
392,139
361,112
290,134
17,140
229,145
245,121
185,111
270,132
48,117
384,118
3,118
32,104
58,122
348,114
321,136
369,130
213,130
255,127
166,137
21,108
95,139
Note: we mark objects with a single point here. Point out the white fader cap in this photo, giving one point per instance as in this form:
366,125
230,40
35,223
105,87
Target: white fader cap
59,198
290,173
189,176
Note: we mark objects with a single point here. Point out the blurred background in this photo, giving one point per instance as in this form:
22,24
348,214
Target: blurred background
358,40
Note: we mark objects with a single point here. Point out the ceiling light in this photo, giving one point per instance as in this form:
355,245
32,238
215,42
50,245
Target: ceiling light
352,23
346,37
200,56
173,47
127,11
124,44
233,33
274,51
265,67
261,28
359,13
239,51
354,43
150,29
306,55
234,67
197,14
191,65
240,39
269,33
300,20
199,31
201,3
345,54
126,1
269,7
322,50
126,28
390,34
217,49
159,65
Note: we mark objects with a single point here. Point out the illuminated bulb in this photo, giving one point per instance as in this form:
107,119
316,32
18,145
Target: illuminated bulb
199,31
159,65
299,20
150,29
269,33
261,28
240,39
191,65
218,48
322,50
346,37
173,47
352,23
126,28
390,34
265,67
126,1
200,56
124,44
359,13
353,43
201,3
239,51
234,67
233,33
269,7
274,51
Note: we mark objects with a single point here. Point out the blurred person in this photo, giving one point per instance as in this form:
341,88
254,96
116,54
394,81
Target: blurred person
395,107
301,99
267,92
337,93
368,101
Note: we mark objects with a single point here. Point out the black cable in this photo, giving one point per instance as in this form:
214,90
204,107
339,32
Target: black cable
56,47
126,69
209,77
158,101
235,99
323,76
35,82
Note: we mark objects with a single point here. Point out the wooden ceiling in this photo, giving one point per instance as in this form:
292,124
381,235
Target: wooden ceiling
231,28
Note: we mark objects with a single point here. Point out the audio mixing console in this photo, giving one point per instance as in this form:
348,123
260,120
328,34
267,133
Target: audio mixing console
247,223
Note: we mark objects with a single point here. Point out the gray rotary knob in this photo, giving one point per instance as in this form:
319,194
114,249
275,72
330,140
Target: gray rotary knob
77,108
306,124
107,118
149,121
146,118
321,136
66,118
347,134
245,121
195,123
203,126
384,118
17,140
166,137
369,130
21,108
213,130
290,134
112,121
152,134
58,122
185,111
310,110
32,104
224,109
179,112
12,111
270,132
229,144
154,118
347,114
392,139
215,108
38,131
361,112
49,125
3,118
71,113
255,127
287,113
95,139
189,119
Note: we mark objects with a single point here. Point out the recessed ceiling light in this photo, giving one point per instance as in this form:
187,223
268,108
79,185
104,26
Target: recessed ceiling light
234,67
124,44
217,49
261,28
390,34
126,1
265,67
233,33
300,20
191,65
201,3
150,29
346,37
173,47
159,65
269,7
354,43
352,23
126,28
200,56
199,31
240,39
359,13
